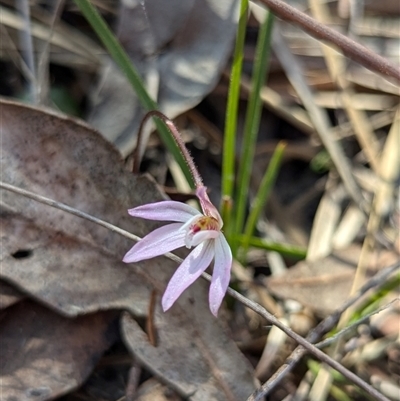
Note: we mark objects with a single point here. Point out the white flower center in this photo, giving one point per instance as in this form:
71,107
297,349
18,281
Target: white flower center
199,229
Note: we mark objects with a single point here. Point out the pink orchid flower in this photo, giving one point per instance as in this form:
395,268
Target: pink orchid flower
192,229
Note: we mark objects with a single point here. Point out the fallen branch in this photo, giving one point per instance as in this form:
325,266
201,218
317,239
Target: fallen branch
349,47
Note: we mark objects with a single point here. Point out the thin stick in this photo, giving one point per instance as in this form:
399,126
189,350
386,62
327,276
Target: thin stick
259,393
68,209
323,327
150,325
350,48
247,302
329,341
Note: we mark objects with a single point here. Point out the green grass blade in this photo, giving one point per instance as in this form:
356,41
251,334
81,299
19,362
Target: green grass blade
373,301
228,162
263,192
252,122
294,251
122,60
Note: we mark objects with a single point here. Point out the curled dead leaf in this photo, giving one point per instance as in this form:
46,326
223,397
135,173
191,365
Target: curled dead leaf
173,45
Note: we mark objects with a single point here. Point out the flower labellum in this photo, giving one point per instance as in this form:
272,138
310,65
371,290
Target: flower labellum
201,231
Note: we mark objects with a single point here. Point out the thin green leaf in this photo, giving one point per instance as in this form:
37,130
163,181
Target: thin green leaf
284,249
266,185
252,122
228,162
374,300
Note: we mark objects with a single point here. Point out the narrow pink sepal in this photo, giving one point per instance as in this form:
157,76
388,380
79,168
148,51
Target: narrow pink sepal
208,208
164,211
158,242
190,269
221,273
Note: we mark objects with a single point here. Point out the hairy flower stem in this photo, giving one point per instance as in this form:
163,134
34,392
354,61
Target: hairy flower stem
178,140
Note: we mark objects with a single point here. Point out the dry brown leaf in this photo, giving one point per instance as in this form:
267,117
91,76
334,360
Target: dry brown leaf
8,295
66,161
44,355
75,266
324,284
180,48
66,273
198,361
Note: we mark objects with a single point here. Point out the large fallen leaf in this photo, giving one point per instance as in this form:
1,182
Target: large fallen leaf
197,361
44,355
74,266
180,48
70,264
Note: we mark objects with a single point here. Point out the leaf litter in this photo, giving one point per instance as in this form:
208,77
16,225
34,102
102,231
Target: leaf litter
304,281
324,283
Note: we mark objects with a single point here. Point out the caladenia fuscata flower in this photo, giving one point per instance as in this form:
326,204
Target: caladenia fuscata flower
201,231
190,228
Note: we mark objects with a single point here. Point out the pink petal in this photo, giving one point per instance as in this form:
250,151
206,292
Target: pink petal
208,208
164,211
190,269
221,273
158,242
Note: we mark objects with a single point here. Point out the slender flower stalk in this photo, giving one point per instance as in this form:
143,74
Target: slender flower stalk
190,228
